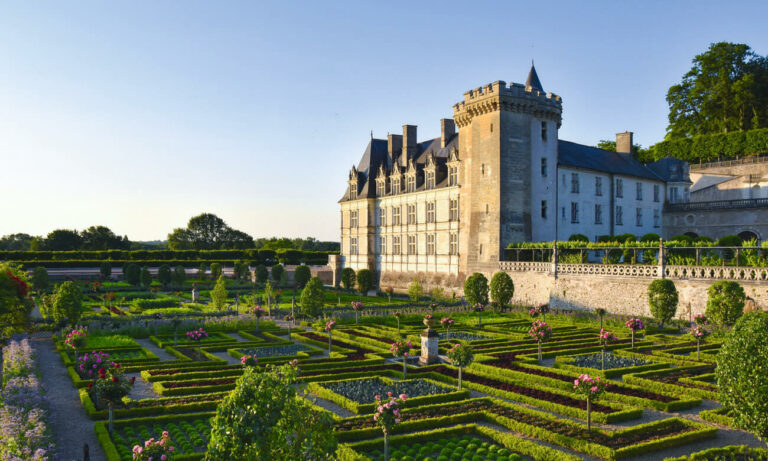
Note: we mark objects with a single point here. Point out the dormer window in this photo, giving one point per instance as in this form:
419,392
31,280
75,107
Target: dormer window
396,185
453,176
353,191
430,181
410,183
381,188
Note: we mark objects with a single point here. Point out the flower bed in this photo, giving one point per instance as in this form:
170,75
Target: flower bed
462,335
275,351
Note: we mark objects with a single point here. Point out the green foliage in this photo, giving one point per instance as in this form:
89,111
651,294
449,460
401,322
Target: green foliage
729,241
179,276
208,232
15,305
219,293
742,373
164,274
262,418
145,277
215,270
650,237
502,289
662,299
364,280
67,302
476,289
312,298
40,278
348,278
62,239
277,272
415,290
262,274
132,274
725,303
301,275
241,270
105,269
707,148
578,238
637,149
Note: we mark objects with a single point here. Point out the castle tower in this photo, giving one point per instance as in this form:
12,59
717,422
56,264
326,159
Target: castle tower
508,150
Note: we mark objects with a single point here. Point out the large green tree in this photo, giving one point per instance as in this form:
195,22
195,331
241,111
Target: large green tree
312,298
102,238
63,240
725,90
476,289
67,303
219,293
208,232
17,242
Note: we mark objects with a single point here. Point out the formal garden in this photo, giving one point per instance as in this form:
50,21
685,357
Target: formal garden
221,368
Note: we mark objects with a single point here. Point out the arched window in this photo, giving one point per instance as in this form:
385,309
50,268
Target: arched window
747,235
692,235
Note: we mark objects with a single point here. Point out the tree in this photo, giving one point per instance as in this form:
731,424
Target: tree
502,289
132,274
240,270
364,280
145,277
67,303
742,375
164,274
262,274
208,232
312,298
215,270
637,151
301,275
219,293
277,272
415,290
102,238
105,269
725,303
662,299
63,240
262,418
179,276
201,271
476,289
40,278
348,278
725,90
16,242
15,305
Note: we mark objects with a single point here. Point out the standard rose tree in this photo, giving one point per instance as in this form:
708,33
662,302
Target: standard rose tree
258,312
447,322
329,329
400,349
197,336
634,325
461,356
397,317
356,306
75,340
605,338
387,415
541,332
111,386
590,388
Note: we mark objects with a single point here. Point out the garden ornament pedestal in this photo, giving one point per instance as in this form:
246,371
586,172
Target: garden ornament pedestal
429,339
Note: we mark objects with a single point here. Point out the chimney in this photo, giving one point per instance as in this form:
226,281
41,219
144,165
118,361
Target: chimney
394,146
624,142
447,130
409,144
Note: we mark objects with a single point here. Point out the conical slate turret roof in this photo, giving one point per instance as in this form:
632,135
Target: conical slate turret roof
533,80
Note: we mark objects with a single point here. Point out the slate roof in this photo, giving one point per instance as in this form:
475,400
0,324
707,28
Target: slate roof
533,80
592,158
670,169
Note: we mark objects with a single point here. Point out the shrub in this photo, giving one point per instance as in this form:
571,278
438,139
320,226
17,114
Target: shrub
742,374
164,274
219,293
650,237
67,302
179,275
578,238
215,270
415,290
662,299
132,274
348,278
145,277
40,278
476,289
725,303
502,289
364,280
312,298
277,272
301,275
105,269
261,273
682,239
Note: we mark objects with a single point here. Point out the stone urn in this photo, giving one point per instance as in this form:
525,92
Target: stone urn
429,322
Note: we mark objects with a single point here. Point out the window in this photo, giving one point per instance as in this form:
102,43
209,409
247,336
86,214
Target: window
574,183
574,212
410,183
453,210
430,212
491,127
598,186
673,194
353,219
382,245
544,209
639,190
656,192
353,246
544,168
430,179
430,244
543,131
453,176
619,188
353,191
562,212
395,215
598,214
396,245
382,216
411,214
619,216
381,188
639,217
656,218
411,244
395,185
453,244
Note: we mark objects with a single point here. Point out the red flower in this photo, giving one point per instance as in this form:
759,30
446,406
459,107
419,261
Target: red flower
90,385
101,371
21,286
133,380
114,379
117,365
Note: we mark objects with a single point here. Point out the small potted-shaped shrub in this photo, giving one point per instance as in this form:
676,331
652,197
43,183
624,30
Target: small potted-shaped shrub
329,329
154,450
634,325
605,338
75,340
541,332
461,356
446,322
400,349
590,388
356,306
386,415
197,336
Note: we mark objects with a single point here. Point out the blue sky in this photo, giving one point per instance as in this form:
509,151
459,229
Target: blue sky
138,115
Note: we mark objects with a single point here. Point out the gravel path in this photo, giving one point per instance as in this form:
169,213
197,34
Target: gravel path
160,353
141,389
70,425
